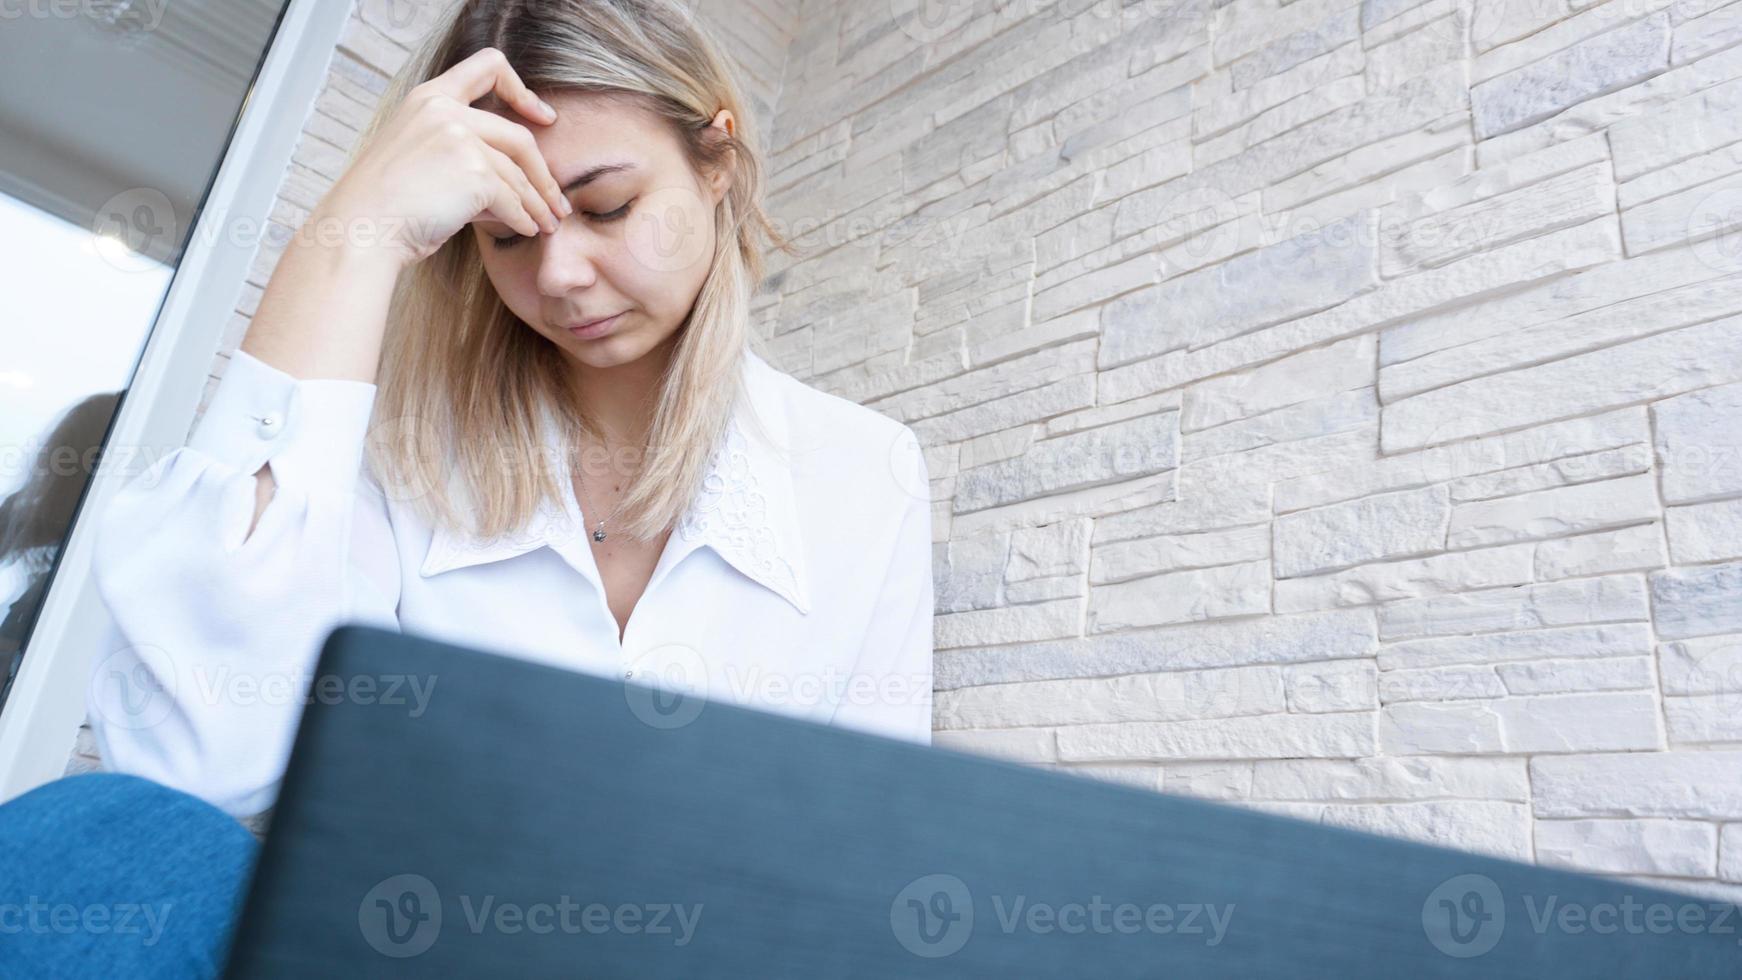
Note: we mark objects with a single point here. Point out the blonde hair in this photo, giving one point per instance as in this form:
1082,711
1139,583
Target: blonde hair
464,384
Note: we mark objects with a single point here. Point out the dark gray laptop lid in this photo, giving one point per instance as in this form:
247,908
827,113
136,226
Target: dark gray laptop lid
519,820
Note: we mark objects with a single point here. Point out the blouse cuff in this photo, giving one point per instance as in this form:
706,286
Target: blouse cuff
312,431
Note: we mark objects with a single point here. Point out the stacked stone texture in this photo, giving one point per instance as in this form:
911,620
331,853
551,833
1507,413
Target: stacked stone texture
1331,407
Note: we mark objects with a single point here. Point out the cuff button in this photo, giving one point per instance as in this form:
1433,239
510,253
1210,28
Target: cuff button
268,424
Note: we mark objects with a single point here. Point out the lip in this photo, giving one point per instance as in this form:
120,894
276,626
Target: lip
595,328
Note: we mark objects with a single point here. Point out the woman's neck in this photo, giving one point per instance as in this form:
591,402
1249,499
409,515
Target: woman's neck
621,399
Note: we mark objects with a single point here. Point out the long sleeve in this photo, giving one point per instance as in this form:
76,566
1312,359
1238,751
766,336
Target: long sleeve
890,690
216,631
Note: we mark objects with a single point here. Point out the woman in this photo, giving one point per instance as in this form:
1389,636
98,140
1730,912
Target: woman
542,434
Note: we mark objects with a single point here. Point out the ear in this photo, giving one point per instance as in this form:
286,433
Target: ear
726,121
721,179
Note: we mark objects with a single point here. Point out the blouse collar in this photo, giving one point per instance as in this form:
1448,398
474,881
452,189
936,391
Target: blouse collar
746,510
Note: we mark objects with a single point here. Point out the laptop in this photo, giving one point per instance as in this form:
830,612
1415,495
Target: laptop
450,812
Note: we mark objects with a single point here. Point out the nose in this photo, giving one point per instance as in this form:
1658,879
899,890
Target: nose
567,258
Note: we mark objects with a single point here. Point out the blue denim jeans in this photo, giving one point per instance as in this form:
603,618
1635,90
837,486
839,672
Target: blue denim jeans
105,875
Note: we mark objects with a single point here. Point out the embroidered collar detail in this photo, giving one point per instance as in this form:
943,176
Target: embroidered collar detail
746,509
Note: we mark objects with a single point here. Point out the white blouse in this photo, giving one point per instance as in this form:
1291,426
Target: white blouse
798,582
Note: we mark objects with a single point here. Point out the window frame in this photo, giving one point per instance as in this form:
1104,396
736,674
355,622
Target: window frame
40,724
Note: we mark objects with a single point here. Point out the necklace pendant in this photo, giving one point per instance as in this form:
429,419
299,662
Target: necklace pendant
599,535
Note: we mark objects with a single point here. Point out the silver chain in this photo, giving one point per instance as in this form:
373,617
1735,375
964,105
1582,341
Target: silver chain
581,478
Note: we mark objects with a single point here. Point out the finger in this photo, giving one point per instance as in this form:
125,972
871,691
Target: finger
485,71
515,140
500,200
505,206
530,200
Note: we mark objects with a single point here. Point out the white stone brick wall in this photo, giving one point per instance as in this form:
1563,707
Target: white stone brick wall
1331,406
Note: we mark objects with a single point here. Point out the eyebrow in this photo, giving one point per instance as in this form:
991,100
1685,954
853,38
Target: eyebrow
595,173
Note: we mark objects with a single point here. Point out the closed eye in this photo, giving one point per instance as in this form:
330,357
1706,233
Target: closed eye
510,241
610,216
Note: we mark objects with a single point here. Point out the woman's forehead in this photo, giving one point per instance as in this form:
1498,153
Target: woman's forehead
592,131
597,108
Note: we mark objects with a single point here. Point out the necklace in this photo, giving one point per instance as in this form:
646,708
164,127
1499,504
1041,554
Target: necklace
598,532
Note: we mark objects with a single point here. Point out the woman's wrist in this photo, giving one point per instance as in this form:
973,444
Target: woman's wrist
358,240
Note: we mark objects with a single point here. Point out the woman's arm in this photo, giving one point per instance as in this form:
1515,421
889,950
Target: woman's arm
890,690
217,618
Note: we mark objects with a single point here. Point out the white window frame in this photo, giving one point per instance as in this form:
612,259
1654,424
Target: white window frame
41,720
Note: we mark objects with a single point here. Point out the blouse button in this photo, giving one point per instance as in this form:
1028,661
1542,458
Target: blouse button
268,426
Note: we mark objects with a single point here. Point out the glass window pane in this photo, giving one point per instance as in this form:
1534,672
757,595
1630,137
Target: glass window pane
114,116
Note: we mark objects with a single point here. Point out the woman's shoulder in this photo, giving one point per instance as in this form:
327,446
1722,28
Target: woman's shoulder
847,454
827,417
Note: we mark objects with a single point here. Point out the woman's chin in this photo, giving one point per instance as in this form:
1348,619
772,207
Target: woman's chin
615,350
